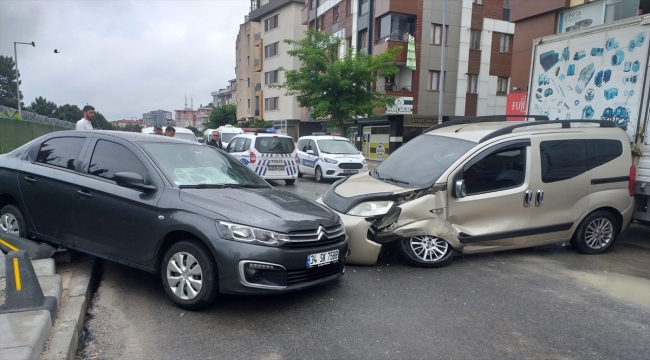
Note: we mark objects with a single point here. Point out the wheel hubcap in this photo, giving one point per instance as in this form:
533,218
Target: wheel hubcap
429,248
599,233
9,224
318,174
184,276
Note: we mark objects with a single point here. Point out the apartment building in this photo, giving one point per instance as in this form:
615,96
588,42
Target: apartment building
158,117
248,106
225,96
535,19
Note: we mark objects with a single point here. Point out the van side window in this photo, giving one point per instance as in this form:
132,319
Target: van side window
239,147
504,169
312,146
302,145
247,144
232,144
563,159
602,151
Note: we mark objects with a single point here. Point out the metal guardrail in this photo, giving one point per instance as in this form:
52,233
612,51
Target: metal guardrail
8,112
395,87
397,35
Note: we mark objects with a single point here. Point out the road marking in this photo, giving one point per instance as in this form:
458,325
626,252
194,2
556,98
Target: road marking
17,275
11,247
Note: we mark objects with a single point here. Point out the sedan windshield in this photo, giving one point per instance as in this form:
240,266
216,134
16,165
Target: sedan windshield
189,165
420,162
337,147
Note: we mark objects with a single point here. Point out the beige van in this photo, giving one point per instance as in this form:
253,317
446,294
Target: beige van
471,185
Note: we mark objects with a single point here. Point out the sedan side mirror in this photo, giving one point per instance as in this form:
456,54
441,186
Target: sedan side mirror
133,181
310,152
459,189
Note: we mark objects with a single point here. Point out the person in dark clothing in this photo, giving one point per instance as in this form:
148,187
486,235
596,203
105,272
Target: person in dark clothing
215,141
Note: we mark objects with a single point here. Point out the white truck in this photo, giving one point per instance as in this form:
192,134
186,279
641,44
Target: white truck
600,73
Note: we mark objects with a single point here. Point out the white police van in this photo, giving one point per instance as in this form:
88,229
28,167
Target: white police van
272,156
327,156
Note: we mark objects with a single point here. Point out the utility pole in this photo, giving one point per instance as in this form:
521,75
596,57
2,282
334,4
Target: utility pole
20,110
441,93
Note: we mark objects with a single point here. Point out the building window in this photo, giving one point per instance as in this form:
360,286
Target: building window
249,82
336,14
436,34
621,10
271,77
271,50
475,41
396,27
271,103
271,23
506,4
248,39
480,2
504,45
248,60
249,103
502,85
321,22
348,7
472,83
348,44
435,81
362,39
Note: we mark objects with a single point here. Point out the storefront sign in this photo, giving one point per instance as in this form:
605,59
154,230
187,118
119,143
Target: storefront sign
581,17
420,121
516,105
401,105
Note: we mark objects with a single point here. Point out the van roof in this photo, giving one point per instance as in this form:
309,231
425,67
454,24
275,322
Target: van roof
332,137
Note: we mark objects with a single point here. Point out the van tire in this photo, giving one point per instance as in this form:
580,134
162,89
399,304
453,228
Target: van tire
593,228
405,248
319,174
290,182
209,277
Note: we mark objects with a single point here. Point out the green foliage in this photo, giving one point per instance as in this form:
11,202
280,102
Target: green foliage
43,107
195,131
223,115
334,87
8,82
127,127
100,122
258,124
71,113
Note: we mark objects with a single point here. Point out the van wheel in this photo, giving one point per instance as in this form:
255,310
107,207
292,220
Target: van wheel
596,233
319,174
290,182
426,251
189,275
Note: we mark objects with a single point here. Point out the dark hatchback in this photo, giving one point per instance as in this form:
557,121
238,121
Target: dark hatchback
191,213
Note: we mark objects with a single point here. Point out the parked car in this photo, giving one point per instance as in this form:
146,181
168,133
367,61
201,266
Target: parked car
271,156
200,219
469,186
329,157
181,133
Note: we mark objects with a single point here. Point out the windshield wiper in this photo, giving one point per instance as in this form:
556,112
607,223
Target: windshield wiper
247,186
220,186
390,179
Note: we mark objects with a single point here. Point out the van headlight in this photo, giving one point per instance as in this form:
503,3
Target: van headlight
330,161
371,208
365,162
251,235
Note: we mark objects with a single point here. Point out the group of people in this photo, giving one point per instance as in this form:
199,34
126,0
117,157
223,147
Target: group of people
169,131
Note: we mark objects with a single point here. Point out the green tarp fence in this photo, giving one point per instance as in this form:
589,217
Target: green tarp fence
14,132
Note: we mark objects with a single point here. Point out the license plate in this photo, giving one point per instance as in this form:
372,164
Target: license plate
321,259
350,171
277,162
276,168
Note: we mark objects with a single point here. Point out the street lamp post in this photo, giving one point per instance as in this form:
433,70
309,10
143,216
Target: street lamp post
20,111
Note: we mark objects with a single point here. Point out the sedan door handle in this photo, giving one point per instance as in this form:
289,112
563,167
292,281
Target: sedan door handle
528,198
539,199
84,194
30,179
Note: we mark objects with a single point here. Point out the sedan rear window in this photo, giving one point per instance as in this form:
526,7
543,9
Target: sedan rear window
274,145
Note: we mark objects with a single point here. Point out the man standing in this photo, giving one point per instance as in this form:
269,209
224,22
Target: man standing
85,122
216,140
157,130
170,131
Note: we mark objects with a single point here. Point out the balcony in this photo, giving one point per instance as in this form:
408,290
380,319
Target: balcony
258,87
390,42
257,36
305,15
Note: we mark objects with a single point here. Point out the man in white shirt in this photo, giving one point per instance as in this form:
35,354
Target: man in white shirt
84,123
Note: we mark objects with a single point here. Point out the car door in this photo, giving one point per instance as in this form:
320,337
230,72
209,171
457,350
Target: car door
113,220
311,159
47,188
301,150
495,210
561,183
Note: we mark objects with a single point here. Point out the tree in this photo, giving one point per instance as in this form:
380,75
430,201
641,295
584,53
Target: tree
334,87
8,82
257,124
70,113
194,130
100,122
43,107
223,115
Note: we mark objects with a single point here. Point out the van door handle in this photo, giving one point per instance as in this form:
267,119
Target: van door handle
539,199
29,179
84,194
528,198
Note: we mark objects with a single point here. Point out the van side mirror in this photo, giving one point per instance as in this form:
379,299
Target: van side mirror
310,152
459,189
133,181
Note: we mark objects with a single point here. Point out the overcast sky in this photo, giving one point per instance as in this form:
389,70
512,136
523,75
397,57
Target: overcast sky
123,57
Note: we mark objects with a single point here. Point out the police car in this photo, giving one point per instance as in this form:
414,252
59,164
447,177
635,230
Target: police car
271,156
327,156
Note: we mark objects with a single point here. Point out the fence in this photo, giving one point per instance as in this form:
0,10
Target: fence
15,132
10,113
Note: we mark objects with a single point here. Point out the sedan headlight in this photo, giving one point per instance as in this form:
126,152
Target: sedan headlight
371,208
251,235
330,161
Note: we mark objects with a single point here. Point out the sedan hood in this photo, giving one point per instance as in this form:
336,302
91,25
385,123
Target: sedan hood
263,208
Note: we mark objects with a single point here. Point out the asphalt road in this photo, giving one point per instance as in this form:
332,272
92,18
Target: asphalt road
542,303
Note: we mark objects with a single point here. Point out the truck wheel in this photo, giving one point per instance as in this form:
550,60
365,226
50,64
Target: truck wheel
596,233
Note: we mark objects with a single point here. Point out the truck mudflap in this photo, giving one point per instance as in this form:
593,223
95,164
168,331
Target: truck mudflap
642,202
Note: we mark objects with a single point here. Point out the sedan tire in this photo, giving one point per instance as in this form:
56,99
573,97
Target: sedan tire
426,251
189,275
12,222
596,233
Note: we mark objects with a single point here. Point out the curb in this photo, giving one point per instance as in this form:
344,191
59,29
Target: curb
65,333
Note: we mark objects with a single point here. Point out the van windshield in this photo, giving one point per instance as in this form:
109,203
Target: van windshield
420,162
226,137
337,147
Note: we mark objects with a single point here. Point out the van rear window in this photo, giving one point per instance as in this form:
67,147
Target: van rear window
274,145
